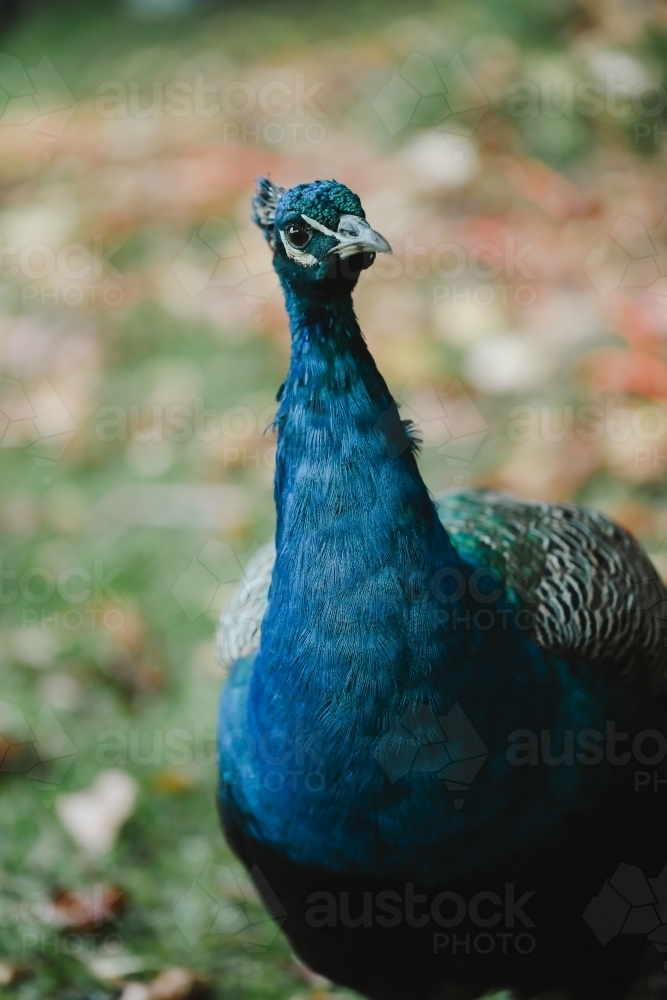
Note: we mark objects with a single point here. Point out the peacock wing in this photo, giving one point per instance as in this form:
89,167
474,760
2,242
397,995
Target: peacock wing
239,625
588,586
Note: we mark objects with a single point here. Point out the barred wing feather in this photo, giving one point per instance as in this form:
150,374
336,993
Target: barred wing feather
241,620
590,588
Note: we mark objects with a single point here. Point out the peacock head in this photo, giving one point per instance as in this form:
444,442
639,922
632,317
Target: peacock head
318,233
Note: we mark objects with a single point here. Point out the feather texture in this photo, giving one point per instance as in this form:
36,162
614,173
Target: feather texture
238,631
264,206
587,587
591,590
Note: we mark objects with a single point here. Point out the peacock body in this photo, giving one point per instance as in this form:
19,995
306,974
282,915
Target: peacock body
390,654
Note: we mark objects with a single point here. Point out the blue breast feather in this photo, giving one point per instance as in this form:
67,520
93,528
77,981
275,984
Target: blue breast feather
354,638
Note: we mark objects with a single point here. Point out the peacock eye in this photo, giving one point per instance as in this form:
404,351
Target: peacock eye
298,235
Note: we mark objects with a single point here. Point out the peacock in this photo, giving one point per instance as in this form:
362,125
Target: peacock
436,709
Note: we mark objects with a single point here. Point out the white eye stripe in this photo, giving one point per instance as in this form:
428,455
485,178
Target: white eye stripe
300,256
318,225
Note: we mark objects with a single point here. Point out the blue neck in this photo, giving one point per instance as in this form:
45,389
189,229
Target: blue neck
354,637
358,538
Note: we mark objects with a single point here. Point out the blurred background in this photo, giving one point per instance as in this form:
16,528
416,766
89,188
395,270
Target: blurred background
514,155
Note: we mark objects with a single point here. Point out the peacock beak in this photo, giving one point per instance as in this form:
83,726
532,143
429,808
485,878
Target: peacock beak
356,236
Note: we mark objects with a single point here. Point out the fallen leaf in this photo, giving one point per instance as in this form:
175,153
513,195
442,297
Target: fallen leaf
174,780
10,974
89,908
134,991
117,966
93,818
178,984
